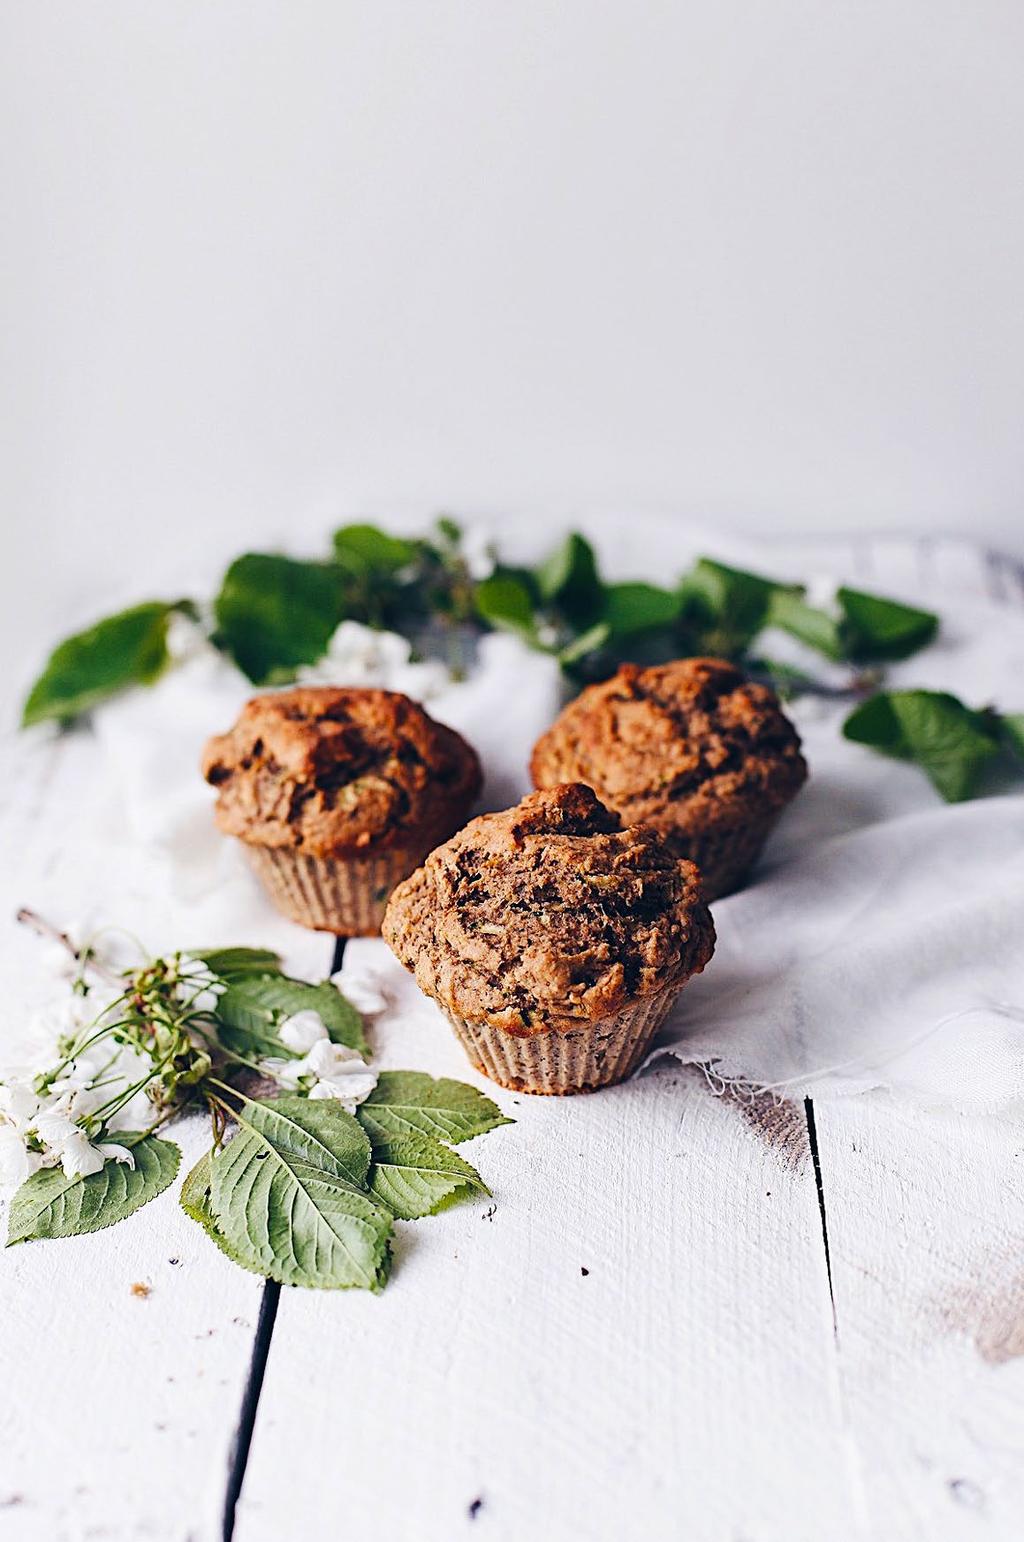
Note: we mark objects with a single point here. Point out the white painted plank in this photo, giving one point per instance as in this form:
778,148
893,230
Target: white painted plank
684,1387
119,1409
925,1218
925,1214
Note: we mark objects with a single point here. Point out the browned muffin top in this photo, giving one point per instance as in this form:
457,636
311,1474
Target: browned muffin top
549,913
684,745
330,770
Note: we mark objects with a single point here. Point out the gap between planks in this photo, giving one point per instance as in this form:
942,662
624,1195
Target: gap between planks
238,1459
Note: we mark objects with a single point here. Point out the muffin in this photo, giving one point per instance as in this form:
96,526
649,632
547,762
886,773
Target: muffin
336,794
692,748
554,940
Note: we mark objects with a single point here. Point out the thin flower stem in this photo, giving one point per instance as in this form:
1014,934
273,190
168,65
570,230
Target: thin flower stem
84,957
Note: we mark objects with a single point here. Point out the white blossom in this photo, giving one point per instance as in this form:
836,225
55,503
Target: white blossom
327,1071
478,552
17,1162
65,1141
362,988
362,655
302,1030
341,1074
186,639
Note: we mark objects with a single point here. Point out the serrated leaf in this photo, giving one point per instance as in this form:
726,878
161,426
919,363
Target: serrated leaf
951,743
288,1195
50,1205
253,1006
413,1103
127,649
874,628
226,963
195,1201
569,579
275,613
414,1175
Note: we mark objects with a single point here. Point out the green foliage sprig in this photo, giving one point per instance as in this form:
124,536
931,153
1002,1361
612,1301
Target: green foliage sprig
314,1157
274,614
955,745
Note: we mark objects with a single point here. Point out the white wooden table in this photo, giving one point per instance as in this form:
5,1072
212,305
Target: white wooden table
684,1316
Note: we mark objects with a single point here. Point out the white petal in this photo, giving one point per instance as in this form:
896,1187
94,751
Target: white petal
79,1158
362,989
201,1001
16,1161
321,1091
19,1101
110,1151
350,1089
287,1072
55,1129
328,1059
302,1030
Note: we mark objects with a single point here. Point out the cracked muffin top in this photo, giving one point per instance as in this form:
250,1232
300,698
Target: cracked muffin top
329,770
686,746
548,914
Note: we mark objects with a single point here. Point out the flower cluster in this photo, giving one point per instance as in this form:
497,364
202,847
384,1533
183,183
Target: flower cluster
90,1087
124,1054
323,1069
361,655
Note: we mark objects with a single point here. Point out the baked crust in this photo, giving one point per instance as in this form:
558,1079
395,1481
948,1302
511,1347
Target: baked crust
549,915
691,747
329,770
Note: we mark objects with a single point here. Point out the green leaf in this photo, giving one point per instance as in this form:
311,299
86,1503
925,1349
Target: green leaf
195,1201
413,1103
274,613
1013,733
569,580
816,628
950,742
874,628
288,1196
365,549
123,650
729,605
504,601
229,962
253,1006
414,1175
50,1205
636,607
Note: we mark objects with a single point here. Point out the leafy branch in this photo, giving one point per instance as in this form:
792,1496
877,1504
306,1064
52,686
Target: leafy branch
274,615
315,1156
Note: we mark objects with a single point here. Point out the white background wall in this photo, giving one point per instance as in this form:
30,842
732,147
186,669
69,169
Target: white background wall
267,262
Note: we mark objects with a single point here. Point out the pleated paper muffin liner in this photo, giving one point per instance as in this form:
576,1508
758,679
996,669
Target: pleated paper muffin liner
724,855
597,1054
345,895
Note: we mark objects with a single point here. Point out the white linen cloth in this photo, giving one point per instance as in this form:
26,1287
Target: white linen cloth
880,943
